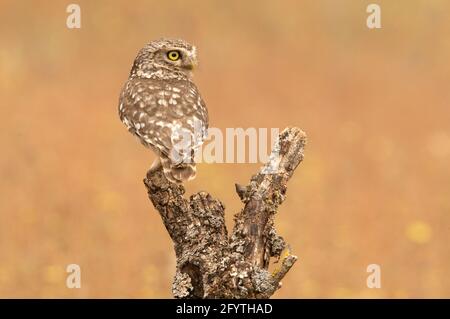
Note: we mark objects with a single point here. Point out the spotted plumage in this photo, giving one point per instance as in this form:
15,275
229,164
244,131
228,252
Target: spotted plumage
161,105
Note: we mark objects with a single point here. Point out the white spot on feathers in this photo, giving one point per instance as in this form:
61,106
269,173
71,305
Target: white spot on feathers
162,102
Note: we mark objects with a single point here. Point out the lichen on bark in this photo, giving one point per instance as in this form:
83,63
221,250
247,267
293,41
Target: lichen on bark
212,264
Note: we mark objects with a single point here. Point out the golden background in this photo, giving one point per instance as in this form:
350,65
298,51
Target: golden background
374,186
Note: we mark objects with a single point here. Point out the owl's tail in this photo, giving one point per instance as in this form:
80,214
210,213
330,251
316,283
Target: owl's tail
178,173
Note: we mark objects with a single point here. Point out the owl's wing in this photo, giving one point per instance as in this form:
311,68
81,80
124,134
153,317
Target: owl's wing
162,113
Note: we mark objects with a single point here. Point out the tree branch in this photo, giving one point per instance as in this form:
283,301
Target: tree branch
211,265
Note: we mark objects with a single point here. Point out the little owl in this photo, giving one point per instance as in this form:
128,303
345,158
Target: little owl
161,105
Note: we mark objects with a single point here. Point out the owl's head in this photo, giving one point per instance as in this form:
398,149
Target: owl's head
165,59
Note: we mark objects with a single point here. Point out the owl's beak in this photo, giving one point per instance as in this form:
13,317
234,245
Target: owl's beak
191,63
189,66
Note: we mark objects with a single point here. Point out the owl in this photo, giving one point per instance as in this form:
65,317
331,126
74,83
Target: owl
163,108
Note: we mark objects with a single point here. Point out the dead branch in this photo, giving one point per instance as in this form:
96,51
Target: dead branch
209,263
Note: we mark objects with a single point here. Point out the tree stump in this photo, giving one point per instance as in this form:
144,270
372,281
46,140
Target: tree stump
211,264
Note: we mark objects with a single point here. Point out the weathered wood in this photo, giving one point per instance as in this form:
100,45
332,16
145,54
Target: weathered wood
209,263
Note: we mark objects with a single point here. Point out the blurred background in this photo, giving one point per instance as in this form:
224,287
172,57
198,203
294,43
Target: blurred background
374,187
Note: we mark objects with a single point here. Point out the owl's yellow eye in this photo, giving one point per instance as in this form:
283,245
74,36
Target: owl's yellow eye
173,55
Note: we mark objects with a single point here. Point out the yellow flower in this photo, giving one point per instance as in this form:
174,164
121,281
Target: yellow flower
418,232
54,274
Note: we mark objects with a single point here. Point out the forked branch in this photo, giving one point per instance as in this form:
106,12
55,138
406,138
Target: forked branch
209,263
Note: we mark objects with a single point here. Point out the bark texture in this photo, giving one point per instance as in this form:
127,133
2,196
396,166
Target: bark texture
212,264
